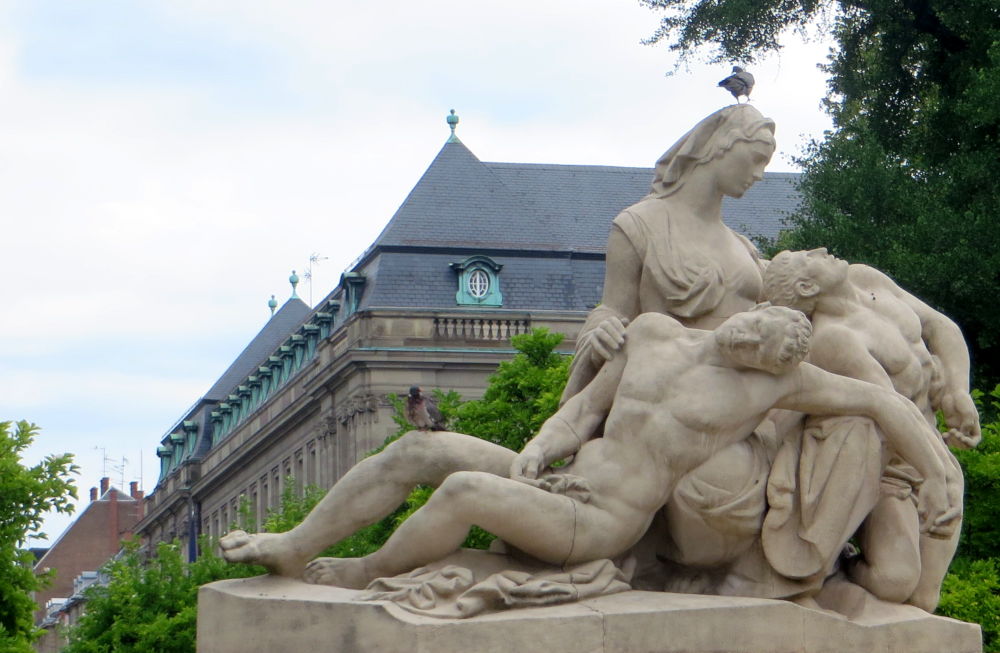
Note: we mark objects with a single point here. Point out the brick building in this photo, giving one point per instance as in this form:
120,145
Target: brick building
90,541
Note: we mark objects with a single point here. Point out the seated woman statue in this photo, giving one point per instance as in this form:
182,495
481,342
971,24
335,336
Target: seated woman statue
671,253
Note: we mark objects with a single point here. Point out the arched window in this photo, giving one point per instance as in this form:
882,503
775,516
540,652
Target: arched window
478,282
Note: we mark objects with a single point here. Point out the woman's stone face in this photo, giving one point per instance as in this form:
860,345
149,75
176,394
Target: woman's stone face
742,166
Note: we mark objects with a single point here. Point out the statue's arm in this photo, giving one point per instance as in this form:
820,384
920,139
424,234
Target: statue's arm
945,341
576,422
623,268
817,392
841,351
943,337
603,332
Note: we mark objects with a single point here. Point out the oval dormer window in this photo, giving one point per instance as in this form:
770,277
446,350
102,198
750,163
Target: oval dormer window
479,283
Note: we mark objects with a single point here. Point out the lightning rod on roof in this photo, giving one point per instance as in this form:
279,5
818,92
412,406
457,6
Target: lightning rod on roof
314,258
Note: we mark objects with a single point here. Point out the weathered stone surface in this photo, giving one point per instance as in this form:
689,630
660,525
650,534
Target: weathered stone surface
270,613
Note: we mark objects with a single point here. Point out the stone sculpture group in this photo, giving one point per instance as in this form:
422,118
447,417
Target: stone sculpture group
729,427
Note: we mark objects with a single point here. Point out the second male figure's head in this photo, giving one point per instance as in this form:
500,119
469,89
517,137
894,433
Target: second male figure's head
798,279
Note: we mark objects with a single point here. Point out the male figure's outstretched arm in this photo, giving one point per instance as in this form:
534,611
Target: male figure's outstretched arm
815,391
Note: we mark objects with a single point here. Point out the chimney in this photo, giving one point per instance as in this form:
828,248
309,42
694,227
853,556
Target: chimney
114,535
93,494
105,483
133,490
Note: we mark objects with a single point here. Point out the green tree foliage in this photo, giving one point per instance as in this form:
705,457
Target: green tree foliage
295,507
906,180
971,591
149,605
26,494
522,394
981,466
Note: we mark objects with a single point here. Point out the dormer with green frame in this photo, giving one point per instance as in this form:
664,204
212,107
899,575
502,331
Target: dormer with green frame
478,282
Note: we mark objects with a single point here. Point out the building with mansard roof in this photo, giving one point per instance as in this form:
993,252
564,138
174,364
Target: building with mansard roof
478,252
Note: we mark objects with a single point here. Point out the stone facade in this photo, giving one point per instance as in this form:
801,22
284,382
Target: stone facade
335,410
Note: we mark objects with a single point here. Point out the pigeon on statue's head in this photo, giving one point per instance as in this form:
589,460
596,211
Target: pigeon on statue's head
740,83
422,411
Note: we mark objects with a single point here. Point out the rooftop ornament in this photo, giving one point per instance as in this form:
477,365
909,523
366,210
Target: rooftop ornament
294,280
452,122
272,304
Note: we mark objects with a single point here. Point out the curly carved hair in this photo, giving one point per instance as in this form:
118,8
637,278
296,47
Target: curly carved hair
797,332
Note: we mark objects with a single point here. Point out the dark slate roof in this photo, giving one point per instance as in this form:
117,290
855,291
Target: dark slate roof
764,208
463,202
546,224
425,280
293,313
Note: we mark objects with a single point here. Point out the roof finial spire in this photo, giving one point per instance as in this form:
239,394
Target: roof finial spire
294,280
272,304
453,122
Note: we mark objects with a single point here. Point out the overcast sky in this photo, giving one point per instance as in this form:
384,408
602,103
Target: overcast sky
165,165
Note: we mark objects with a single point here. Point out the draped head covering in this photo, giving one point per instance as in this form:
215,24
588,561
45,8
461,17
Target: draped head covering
715,134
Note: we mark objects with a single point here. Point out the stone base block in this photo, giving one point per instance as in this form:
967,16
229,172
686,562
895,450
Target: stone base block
270,614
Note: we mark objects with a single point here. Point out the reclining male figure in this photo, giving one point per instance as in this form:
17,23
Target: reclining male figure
671,398
867,327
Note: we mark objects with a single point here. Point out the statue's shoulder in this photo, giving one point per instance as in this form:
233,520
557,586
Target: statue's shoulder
636,220
655,325
830,331
866,276
748,244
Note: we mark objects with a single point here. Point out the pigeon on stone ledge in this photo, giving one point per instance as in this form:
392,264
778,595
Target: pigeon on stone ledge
739,83
422,411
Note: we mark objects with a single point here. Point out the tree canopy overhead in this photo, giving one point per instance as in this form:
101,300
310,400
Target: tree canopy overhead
906,180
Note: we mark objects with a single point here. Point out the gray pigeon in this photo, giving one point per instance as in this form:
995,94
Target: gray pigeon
739,83
422,411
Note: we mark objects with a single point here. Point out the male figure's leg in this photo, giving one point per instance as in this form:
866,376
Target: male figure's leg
550,527
890,562
935,557
367,492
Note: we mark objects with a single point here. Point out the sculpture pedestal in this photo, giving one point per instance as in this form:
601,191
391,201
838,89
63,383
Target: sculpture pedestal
269,613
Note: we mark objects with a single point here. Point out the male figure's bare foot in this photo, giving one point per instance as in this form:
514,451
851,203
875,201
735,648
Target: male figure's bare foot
272,550
352,573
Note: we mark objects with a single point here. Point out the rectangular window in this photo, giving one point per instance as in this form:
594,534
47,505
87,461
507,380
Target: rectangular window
265,498
300,472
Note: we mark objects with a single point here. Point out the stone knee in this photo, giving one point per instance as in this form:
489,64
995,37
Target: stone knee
926,598
459,493
892,581
412,459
